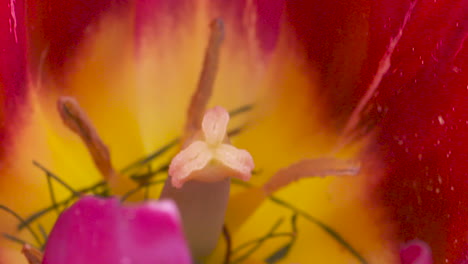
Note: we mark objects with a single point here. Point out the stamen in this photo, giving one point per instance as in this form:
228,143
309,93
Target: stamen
77,120
310,168
33,255
204,90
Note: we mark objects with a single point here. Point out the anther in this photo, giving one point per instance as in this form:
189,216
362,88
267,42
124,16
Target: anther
33,255
310,168
76,119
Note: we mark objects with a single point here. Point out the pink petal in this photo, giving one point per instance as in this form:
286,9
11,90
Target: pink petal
236,159
193,158
102,231
415,252
214,125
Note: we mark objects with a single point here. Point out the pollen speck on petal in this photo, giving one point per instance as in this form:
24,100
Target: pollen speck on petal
214,125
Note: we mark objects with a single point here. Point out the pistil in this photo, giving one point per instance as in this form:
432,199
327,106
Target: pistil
200,174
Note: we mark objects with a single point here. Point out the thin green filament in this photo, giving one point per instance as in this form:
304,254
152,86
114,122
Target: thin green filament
333,233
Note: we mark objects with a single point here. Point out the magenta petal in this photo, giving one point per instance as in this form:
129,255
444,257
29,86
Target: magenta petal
102,231
415,252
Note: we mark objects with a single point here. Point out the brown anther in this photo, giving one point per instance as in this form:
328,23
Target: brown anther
204,90
76,119
310,168
33,255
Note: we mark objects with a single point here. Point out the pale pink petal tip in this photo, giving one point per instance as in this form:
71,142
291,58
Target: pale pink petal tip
96,230
214,125
416,252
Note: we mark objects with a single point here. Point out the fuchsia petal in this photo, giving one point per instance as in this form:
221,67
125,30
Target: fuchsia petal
102,231
415,252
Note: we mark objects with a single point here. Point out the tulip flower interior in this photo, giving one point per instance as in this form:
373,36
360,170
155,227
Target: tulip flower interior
206,132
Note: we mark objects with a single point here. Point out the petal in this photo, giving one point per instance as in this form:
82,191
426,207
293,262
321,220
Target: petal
57,27
13,68
259,18
96,230
336,48
236,159
191,159
420,111
214,125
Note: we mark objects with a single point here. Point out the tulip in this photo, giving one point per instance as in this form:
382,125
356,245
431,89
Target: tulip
322,79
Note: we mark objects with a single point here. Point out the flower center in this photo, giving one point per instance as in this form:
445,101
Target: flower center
200,174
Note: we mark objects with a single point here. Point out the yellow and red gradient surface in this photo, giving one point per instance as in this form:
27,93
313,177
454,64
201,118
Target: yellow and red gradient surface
129,70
